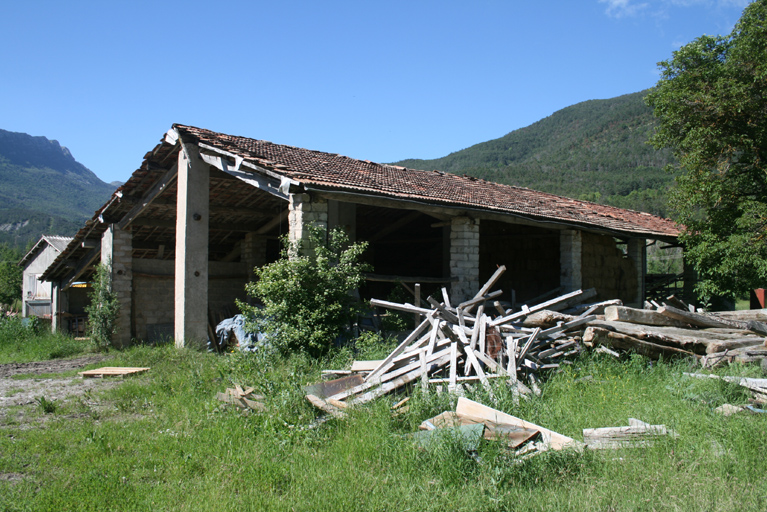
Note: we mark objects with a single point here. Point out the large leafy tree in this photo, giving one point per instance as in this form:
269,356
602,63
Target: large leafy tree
711,102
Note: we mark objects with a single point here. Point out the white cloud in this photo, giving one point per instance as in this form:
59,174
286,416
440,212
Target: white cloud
623,8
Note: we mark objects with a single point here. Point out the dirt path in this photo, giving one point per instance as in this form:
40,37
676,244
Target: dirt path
25,392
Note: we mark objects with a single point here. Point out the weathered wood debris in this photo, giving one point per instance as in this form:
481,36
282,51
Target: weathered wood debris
478,340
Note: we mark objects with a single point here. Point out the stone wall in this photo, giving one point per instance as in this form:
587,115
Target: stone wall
304,211
464,258
117,249
608,269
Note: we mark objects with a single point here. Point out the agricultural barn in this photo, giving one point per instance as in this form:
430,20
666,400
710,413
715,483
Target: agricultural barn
205,208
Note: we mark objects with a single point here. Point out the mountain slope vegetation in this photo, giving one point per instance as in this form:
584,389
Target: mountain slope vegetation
43,189
595,150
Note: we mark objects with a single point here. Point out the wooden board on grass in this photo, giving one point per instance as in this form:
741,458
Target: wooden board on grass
112,371
476,410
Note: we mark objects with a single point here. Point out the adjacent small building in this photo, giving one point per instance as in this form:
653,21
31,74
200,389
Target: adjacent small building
36,293
183,234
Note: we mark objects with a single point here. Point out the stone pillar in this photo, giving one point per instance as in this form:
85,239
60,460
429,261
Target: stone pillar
636,250
304,211
570,259
464,259
191,269
117,251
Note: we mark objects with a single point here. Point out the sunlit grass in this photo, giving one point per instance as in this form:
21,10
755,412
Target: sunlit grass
160,441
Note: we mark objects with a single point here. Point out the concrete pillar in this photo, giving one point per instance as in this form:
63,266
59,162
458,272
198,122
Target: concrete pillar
570,259
191,270
343,215
464,258
303,212
117,251
636,250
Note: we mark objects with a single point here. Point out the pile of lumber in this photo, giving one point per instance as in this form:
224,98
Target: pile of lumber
674,330
478,340
471,342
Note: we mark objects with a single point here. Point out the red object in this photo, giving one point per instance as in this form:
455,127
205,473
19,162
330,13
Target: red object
757,298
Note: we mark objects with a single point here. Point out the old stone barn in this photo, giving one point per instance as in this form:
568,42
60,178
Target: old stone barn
185,231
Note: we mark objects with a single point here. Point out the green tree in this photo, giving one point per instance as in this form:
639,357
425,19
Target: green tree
711,101
307,294
10,275
103,308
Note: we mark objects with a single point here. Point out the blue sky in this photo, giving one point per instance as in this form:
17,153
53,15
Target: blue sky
379,81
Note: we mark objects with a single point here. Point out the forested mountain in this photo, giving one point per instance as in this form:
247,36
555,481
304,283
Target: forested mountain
43,189
595,150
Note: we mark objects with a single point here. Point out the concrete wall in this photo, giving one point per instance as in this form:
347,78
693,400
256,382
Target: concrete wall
153,295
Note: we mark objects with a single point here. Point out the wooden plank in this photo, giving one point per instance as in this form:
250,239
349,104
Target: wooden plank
112,371
485,288
408,308
641,316
698,319
321,404
365,366
599,336
400,381
453,365
333,387
568,325
560,302
390,375
476,410
469,304
402,346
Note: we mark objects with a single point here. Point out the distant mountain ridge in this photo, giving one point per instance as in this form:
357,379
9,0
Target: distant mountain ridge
595,150
43,189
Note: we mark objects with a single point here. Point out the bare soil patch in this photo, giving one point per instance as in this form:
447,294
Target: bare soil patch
23,393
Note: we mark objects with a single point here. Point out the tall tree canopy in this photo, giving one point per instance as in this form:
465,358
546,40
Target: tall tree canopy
711,102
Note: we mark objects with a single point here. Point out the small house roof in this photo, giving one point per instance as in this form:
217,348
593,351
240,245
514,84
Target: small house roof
59,243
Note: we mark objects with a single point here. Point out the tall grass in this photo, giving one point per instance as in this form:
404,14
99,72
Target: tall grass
161,441
20,342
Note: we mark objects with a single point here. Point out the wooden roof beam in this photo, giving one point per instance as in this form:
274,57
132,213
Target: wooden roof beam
152,194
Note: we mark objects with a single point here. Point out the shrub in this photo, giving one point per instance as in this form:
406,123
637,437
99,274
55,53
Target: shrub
307,294
103,309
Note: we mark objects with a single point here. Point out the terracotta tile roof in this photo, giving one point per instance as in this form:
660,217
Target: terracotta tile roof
336,172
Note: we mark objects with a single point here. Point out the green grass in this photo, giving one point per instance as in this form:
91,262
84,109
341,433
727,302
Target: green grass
160,441
21,344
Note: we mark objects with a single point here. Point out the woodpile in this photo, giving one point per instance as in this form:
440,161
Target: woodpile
677,330
477,341
473,343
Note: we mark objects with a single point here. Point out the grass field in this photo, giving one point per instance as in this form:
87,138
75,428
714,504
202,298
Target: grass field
160,441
